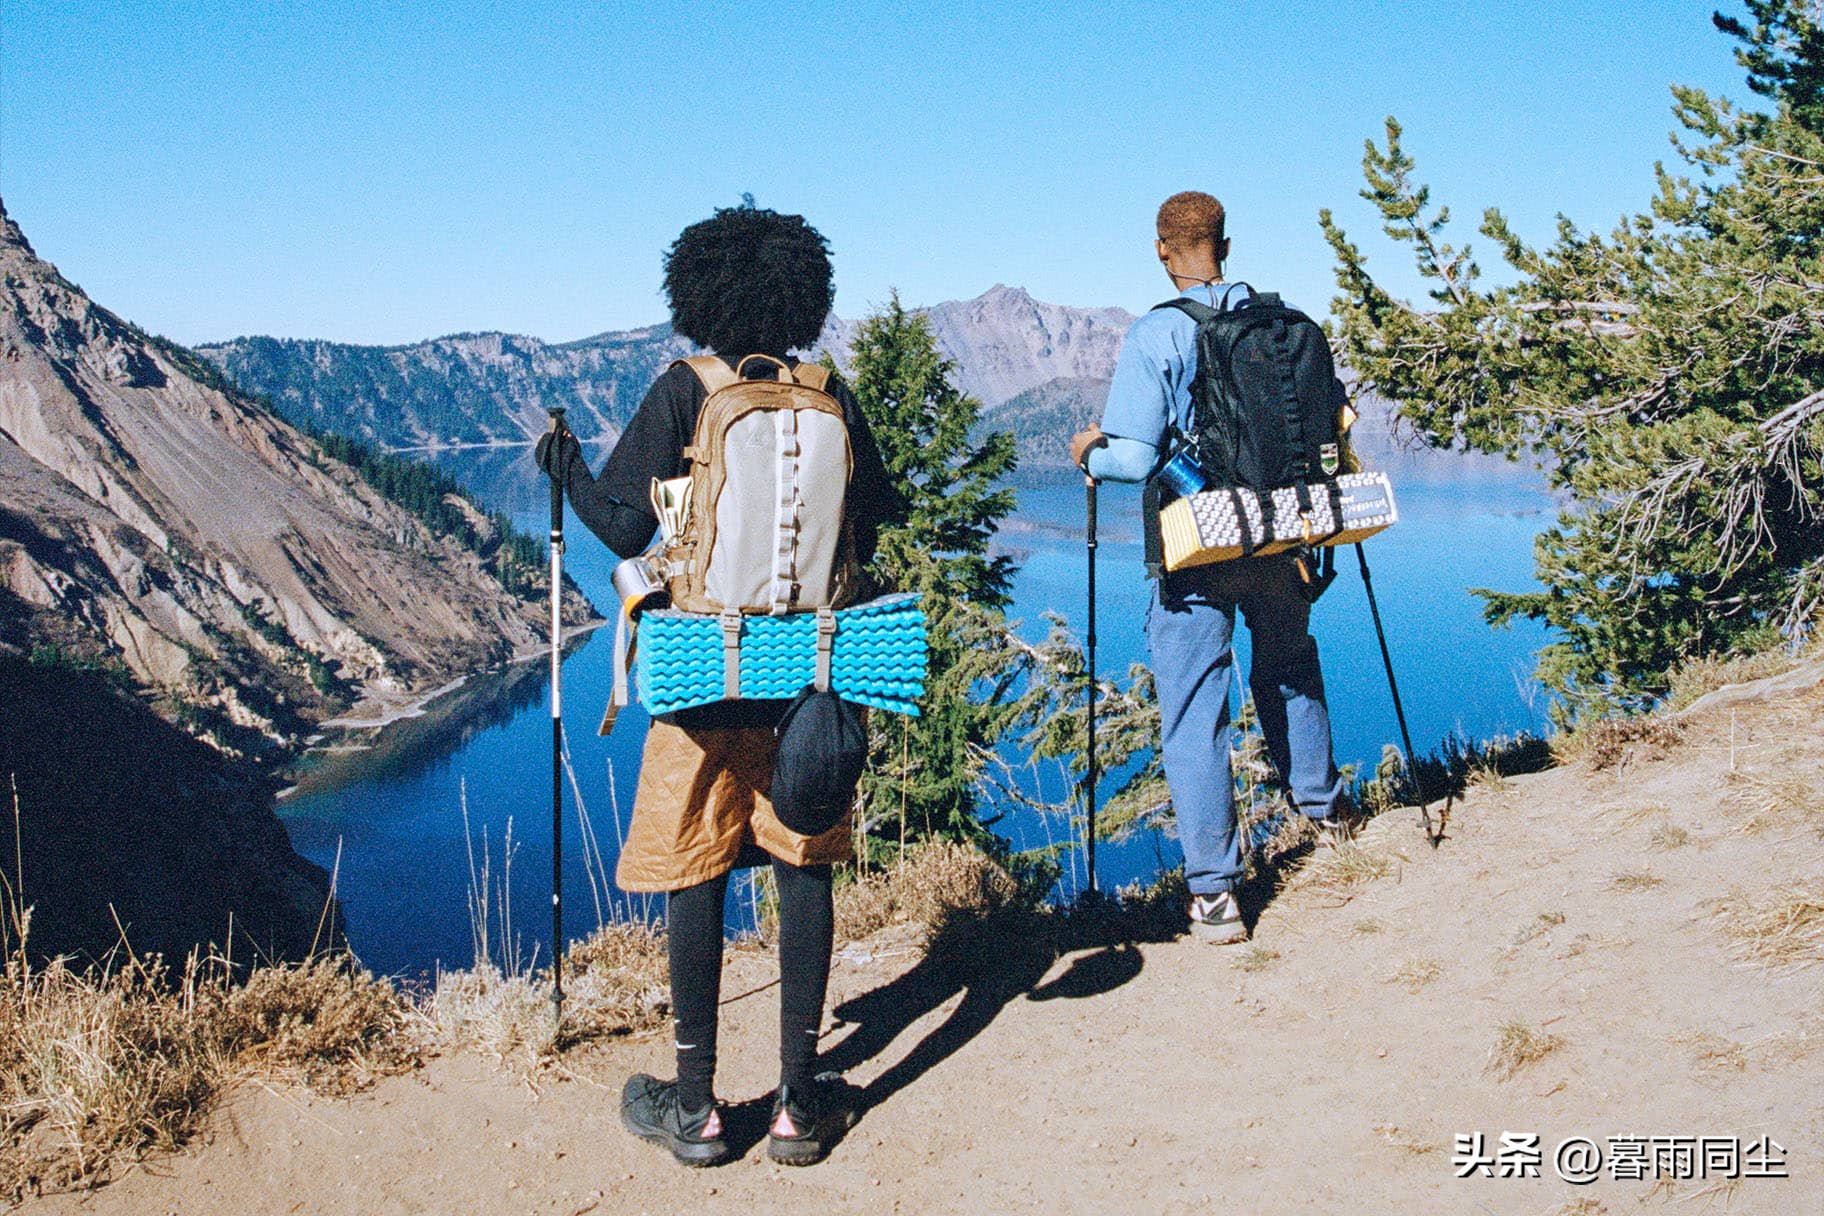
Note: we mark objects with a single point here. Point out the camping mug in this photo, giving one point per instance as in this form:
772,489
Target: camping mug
638,585
1183,474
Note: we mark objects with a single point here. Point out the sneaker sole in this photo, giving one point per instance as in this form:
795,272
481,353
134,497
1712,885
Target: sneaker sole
685,1152
807,1151
1219,935
795,1152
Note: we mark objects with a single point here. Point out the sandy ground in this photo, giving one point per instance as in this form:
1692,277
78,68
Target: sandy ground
1327,1067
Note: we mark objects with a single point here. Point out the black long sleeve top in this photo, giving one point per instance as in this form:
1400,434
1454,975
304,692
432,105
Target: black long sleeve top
614,503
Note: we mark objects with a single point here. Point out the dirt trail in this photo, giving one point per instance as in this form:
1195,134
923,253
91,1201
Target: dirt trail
1325,1068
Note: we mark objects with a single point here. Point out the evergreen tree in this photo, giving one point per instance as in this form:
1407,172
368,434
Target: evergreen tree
926,771
1672,371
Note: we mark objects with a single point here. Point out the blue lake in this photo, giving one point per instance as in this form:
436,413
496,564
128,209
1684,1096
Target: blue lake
390,819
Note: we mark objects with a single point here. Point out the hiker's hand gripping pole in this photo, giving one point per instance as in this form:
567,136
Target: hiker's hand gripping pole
557,729
1089,785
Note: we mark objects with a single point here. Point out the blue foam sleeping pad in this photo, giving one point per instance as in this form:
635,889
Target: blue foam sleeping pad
877,657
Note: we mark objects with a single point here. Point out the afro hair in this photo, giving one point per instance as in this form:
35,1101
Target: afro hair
749,281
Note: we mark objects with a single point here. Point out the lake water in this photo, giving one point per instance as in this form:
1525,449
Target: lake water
390,819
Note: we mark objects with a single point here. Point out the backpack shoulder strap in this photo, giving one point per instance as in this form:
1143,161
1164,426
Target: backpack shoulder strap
1196,310
713,374
812,375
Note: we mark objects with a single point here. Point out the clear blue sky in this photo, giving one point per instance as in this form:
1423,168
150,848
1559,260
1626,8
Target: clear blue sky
386,172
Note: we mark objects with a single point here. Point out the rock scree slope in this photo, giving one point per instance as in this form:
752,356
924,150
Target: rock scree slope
218,552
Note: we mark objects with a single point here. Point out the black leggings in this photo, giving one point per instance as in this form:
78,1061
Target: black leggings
694,934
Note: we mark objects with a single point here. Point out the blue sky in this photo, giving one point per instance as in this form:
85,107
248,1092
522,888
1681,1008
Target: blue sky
386,172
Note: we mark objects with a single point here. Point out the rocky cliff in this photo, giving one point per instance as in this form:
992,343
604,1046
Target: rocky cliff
188,586
224,560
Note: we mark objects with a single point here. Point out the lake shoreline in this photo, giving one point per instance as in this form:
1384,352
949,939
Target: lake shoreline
336,736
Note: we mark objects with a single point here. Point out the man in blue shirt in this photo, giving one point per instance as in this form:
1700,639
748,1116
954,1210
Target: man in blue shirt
1191,623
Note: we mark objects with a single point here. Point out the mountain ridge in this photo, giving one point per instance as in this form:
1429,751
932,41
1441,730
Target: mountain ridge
482,387
1041,371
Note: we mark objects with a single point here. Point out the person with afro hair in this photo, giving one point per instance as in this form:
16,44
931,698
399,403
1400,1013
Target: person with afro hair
744,281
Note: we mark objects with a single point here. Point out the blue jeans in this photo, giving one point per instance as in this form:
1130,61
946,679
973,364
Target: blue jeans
1189,628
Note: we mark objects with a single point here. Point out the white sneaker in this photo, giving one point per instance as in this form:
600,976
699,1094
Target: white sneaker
1217,919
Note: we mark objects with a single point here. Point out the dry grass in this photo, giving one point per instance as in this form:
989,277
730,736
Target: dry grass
1255,958
1618,742
615,982
1586,1206
483,1009
1339,872
1634,881
1697,677
1539,926
1635,812
1517,1045
1398,1137
1783,800
1714,1053
1414,974
934,885
99,1066
1782,928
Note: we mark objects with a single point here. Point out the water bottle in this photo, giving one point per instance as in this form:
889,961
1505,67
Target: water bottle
638,585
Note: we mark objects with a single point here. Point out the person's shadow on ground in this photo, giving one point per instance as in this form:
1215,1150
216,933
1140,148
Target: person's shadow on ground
991,961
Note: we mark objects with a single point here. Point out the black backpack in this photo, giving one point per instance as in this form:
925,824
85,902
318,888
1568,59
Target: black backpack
1263,406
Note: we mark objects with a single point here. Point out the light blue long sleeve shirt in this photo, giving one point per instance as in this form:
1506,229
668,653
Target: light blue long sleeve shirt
1150,396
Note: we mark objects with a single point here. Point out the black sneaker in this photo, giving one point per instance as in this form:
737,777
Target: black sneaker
809,1121
650,1110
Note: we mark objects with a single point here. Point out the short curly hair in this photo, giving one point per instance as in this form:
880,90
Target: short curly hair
1191,218
750,281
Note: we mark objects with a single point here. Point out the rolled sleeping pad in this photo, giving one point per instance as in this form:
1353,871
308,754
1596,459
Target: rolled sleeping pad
1224,523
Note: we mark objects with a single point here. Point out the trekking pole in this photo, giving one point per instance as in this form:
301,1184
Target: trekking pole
1089,789
1399,711
557,730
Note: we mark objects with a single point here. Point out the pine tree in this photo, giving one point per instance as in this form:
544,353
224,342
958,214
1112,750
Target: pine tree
1672,372
926,771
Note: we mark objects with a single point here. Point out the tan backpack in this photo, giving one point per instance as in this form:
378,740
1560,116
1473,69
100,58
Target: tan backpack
766,530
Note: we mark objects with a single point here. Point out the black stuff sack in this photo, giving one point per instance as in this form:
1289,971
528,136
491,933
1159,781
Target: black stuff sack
823,746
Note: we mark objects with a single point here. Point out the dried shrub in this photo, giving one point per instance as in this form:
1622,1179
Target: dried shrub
1341,870
324,1023
506,1016
1517,1045
1618,742
1255,958
1782,928
101,1065
938,883
1785,799
1414,974
616,980
1539,926
1634,881
1698,677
